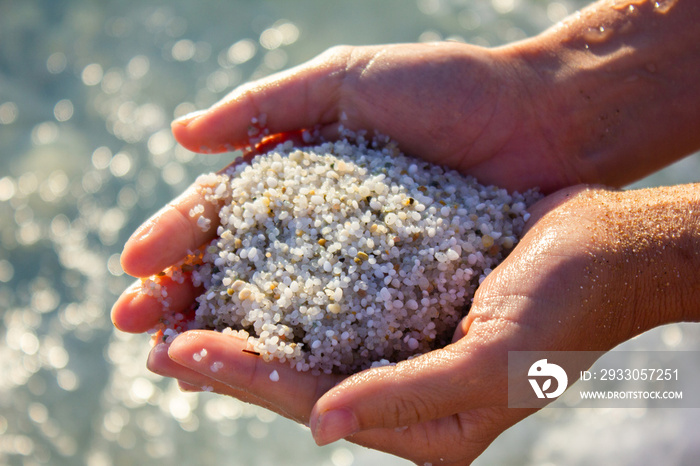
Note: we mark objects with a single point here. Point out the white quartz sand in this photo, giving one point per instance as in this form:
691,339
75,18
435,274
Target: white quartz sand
342,255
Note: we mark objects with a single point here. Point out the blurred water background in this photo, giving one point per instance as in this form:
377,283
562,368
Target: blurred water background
87,92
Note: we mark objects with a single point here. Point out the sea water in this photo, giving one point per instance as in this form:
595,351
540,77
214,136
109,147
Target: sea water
87,92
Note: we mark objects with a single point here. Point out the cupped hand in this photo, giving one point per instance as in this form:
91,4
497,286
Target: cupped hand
566,286
481,111
469,108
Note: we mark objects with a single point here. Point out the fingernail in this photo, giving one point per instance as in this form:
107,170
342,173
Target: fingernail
130,293
143,231
127,296
160,348
188,387
155,360
134,288
334,425
183,340
148,226
189,118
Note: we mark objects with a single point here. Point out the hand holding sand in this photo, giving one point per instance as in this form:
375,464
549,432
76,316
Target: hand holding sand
451,403
562,108
572,105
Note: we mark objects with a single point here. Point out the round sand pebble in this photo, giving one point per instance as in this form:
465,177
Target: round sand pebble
338,256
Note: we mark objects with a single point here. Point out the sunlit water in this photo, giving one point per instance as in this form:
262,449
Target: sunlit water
87,92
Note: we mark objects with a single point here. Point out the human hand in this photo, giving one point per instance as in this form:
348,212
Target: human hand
550,111
362,85
600,98
452,104
600,259
480,111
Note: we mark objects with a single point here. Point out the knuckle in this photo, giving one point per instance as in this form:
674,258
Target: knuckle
337,51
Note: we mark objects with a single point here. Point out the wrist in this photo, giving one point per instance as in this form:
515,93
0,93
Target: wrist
618,85
651,246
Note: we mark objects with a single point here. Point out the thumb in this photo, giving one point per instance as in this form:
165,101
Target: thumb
300,98
465,375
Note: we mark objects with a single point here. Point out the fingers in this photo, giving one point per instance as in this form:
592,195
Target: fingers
302,97
223,360
454,440
137,312
457,378
280,106
167,237
159,362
